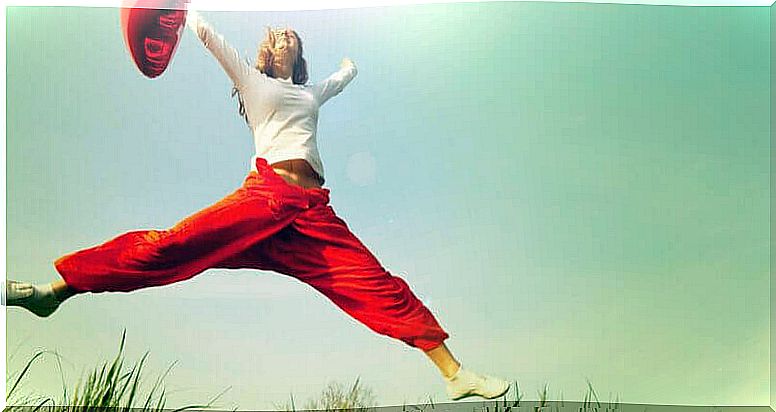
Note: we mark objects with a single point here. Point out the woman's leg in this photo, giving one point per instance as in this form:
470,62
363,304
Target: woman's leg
319,249
62,291
41,300
462,383
38,299
145,258
444,360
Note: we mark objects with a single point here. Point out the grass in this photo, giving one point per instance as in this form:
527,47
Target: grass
114,386
108,386
590,402
337,397
360,399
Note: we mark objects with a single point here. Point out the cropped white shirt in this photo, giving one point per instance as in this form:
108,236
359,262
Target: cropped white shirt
283,116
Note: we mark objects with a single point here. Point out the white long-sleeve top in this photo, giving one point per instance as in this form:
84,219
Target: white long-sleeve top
282,116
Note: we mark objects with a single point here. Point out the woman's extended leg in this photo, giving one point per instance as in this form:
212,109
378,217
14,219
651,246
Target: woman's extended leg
61,290
144,258
444,360
41,300
462,383
319,249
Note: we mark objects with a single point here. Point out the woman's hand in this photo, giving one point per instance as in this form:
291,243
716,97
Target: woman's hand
346,62
269,40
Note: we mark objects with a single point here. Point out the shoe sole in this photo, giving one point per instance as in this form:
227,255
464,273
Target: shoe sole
471,395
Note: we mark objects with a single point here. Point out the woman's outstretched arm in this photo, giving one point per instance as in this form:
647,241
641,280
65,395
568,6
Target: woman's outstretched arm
226,55
334,84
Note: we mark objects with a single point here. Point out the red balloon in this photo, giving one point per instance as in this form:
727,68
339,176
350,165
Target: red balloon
152,31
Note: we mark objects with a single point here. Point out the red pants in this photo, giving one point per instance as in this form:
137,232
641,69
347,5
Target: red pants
266,224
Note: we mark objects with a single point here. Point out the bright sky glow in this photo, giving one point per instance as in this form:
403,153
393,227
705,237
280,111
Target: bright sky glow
337,4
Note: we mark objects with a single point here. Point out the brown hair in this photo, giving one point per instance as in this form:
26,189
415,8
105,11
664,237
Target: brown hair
264,64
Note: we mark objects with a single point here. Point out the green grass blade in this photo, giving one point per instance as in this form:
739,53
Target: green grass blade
24,372
133,391
157,384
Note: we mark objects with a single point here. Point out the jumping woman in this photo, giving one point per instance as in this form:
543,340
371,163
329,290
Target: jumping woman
279,219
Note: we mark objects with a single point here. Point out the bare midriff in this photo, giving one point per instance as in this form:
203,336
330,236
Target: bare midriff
297,172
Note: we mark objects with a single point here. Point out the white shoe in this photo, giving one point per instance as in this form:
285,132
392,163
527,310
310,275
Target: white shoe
39,300
466,383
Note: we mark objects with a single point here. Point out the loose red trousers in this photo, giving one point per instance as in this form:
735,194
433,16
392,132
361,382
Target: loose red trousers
265,224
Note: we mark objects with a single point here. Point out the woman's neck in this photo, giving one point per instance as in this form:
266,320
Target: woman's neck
282,71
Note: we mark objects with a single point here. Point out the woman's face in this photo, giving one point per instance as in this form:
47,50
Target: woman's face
284,43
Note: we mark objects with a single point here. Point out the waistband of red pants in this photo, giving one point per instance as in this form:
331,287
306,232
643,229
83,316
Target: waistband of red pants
314,194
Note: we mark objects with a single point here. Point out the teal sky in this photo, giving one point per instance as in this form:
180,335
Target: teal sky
577,191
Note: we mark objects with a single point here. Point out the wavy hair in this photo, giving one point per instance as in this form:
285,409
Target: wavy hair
264,64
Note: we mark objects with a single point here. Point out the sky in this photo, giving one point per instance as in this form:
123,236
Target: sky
242,5
577,191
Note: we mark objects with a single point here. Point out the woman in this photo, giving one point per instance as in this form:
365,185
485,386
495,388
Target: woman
278,220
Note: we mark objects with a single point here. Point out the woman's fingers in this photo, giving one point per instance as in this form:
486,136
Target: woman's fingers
271,36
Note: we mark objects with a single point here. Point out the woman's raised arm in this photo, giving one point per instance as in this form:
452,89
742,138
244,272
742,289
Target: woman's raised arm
334,84
226,55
